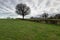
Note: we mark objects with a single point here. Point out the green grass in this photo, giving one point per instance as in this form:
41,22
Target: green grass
25,30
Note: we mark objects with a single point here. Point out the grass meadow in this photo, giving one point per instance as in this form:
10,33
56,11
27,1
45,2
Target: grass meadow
11,29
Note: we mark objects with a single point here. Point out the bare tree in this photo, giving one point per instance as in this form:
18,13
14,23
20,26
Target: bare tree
45,15
22,9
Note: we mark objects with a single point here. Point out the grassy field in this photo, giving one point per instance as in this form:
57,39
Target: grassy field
25,30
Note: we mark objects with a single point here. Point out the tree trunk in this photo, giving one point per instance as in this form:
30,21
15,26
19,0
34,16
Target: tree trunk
23,17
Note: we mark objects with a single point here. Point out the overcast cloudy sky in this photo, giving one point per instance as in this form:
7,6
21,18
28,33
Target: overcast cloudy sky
7,7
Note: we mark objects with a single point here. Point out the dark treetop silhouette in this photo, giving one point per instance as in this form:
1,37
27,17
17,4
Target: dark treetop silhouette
22,9
45,15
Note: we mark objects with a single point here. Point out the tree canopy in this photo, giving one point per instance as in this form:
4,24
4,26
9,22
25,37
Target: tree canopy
22,9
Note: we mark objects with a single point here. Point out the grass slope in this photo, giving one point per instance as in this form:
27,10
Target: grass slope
25,30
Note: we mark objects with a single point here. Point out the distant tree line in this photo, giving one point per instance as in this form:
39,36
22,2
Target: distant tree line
45,16
52,19
23,10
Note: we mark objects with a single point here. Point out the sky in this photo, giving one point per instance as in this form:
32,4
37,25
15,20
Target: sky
7,7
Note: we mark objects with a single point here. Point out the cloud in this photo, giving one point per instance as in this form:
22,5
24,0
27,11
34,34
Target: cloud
37,6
